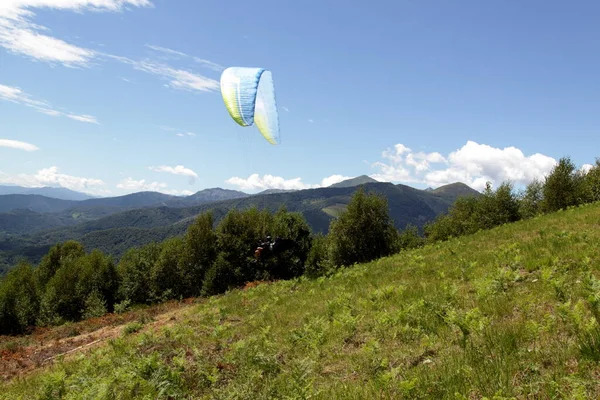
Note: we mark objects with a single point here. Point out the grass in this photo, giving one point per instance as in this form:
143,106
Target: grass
506,313
335,210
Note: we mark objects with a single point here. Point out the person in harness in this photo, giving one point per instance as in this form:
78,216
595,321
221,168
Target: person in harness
268,248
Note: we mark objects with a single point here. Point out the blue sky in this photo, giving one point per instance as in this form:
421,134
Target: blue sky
115,96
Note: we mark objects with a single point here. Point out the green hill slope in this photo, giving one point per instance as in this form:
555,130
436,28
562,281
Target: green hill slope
506,313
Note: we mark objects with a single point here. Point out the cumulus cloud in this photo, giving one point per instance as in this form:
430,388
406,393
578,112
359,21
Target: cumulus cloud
177,170
141,185
256,182
20,35
52,177
18,96
15,144
473,164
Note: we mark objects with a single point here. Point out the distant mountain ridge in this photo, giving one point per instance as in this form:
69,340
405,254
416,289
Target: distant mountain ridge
115,233
359,180
48,191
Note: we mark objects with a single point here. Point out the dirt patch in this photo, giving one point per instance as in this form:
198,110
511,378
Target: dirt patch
22,355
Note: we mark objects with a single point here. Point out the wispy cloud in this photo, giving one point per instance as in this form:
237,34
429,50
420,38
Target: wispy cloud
256,182
311,121
178,78
15,144
18,96
285,109
20,35
178,54
189,134
473,164
52,177
177,170
180,132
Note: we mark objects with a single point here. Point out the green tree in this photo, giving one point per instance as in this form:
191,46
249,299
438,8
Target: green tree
363,232
70,288
317,263
497,207
238,234
134,272
19,299
167,275
57,256
564,186
530,204
460,220
200,252
409,238
290,263
592,182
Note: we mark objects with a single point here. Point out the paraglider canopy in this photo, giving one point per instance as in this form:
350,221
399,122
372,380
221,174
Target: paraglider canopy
249,95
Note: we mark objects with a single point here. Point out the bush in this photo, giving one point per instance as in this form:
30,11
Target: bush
409,238
317,263
363,232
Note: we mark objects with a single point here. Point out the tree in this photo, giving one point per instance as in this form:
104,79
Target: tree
530,204
497,207
363,232
134,272
238,234
564,186
57,256
200,252
19,299
409,238
592,182
291,263
460,220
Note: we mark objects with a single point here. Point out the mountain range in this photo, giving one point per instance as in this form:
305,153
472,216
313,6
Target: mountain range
31,224
48,191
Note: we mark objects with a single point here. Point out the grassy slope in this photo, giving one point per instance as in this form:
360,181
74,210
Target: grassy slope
389,329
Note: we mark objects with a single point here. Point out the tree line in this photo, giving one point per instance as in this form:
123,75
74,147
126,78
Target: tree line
70,284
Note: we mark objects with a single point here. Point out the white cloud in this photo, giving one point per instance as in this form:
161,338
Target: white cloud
83,118
473,164
311,121
285,109
18,96
190,134
177,170
15,144
333,179
51,177
179,54
141,185
255,182
20,35
178,78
